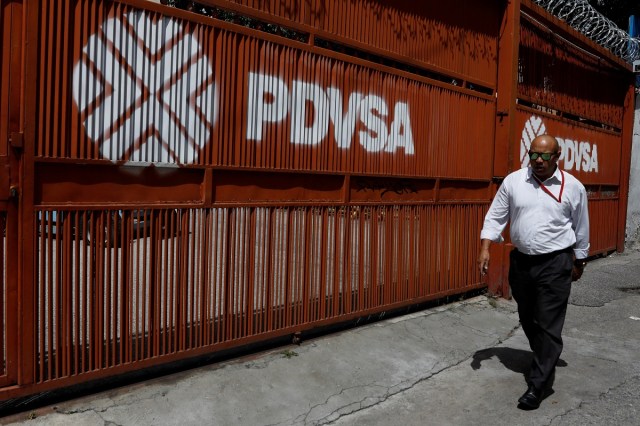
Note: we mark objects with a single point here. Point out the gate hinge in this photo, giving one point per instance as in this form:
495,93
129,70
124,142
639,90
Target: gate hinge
15,140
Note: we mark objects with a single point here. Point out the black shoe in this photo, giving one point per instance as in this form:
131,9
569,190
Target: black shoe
531,399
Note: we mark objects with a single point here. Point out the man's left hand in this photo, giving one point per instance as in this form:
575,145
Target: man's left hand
577,272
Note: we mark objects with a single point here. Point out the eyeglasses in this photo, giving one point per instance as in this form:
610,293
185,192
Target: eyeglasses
546,156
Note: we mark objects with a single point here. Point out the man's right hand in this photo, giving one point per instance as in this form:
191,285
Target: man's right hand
483,260
483,256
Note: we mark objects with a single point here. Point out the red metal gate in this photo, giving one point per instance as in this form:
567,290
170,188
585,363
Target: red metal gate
191,184
584,97
563,84
11,121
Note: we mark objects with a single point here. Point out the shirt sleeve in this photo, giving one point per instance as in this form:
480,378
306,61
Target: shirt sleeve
580,225
497,216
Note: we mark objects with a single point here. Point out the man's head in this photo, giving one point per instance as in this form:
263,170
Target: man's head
544,146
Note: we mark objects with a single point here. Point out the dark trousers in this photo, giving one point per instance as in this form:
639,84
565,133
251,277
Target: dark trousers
541,284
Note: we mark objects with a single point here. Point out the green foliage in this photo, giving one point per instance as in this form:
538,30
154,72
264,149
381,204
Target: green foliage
289,354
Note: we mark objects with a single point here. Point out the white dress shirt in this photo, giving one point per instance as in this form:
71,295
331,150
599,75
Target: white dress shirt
539,223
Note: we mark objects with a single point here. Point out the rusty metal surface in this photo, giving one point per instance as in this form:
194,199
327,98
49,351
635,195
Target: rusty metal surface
429,34
10,88
548,76
625,163
5,18
590,154
10,40
236,100
123,279
507,88
122,286
603,224
3,295
11,16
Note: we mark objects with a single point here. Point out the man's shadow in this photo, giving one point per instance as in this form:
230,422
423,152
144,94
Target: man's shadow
516,360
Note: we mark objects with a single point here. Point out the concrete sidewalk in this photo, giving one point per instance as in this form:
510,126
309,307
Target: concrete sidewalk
459,364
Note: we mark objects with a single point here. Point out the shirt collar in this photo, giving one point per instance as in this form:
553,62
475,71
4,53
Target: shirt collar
556,174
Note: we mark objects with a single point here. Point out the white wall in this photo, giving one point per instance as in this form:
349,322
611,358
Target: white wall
632,239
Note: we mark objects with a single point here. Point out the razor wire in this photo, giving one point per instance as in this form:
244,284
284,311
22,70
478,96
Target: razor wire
587,20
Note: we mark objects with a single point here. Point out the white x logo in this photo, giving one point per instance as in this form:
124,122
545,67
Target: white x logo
146,92
532,127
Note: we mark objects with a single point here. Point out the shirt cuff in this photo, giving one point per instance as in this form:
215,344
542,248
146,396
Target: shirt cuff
581,253
488,235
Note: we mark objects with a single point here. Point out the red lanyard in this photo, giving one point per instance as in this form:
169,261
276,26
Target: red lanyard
545,189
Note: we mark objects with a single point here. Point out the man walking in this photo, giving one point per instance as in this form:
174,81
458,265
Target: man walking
549,227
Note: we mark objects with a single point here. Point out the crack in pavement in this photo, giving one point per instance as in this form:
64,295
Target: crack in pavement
370,385
303,417
589,401
87,410
420,337
603,304
368,400
328,420
479,332
100,411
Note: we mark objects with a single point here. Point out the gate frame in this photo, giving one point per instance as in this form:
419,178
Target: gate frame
23,277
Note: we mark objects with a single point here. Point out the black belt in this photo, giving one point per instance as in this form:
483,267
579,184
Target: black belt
543,256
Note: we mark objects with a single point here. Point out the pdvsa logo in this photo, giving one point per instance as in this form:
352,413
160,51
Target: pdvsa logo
145,91
578,156
311,108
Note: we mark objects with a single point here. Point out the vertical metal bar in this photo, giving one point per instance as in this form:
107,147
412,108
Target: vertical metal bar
389,255
399,242
507,84
26,325
191,280
229,231
183,301
411,253
3,287
272,283
338,260
625,163
205,247
324,260
253,241
218,281
107,290
89,286
46,295
361,254
130,298
289,278
350,213
174,280
306,278
66,302
96,284
376,255
166,223
76,318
